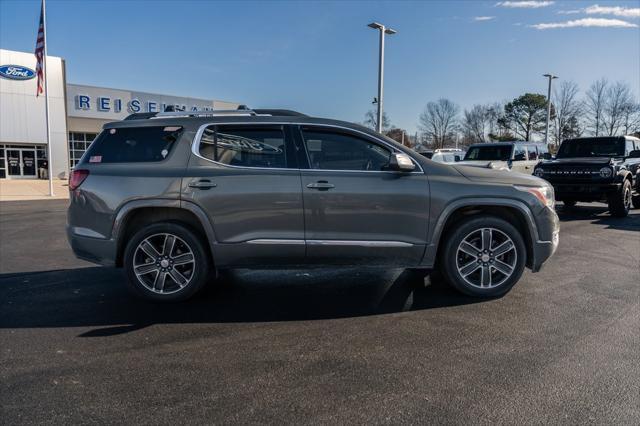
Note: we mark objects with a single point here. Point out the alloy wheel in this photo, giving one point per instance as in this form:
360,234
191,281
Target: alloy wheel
486,258
627,199
164,263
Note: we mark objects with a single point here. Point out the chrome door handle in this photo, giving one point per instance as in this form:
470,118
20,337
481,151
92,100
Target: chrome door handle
320,185
203,184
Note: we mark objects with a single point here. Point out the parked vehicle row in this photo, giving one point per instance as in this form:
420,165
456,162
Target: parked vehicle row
603,169
596,169
175,198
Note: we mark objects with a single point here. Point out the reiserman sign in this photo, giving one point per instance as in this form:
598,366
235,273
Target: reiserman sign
108,104
16,72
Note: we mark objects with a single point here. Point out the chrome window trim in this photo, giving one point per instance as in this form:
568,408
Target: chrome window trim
195,147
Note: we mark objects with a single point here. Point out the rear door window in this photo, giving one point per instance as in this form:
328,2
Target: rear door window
532,152
133,144
245,146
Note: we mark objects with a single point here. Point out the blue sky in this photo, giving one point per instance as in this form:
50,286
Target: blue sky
320,58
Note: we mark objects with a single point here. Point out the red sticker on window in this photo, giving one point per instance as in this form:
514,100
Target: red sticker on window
95,159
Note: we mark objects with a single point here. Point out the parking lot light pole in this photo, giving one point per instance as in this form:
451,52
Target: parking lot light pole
383,31
546,132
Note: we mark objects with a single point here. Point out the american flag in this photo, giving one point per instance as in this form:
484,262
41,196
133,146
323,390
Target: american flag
40,52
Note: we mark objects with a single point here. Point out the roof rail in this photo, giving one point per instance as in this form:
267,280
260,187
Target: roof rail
242,111
140,115
279,112
211,113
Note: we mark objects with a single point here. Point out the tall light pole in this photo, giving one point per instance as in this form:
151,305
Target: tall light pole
383,30
546,132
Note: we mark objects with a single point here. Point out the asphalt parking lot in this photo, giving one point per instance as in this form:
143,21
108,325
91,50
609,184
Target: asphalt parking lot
337,346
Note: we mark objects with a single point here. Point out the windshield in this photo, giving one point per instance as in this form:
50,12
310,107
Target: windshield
591,147
489,153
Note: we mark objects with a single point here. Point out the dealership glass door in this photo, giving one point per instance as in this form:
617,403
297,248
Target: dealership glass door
21,163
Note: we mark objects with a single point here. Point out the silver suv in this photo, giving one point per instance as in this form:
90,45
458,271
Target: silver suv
175,198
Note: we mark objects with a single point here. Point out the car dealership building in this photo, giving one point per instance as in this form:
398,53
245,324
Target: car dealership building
76,114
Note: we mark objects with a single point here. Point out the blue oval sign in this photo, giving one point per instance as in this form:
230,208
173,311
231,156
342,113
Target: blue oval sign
16,72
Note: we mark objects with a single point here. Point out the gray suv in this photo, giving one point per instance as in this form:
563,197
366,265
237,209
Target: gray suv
175,198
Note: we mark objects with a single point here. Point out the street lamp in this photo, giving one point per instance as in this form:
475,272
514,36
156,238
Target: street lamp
546,132
383,30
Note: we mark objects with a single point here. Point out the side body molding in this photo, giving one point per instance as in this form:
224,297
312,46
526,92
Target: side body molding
431,250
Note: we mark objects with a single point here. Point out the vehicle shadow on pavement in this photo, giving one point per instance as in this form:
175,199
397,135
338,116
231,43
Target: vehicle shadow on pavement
97,297
599,215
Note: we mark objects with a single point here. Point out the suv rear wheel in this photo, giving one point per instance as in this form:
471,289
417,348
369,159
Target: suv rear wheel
620,202
166,262
484,256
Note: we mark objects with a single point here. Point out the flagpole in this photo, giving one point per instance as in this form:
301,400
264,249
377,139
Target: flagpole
46,98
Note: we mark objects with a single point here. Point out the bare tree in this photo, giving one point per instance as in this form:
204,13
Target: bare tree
594,106
568,109
494,113
618,101
371,118
439,122
476,123
631,122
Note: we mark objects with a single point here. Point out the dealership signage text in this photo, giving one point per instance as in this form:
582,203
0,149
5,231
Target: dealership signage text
108,104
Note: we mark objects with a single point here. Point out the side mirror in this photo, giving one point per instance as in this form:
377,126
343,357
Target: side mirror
401,162
546,156
634,154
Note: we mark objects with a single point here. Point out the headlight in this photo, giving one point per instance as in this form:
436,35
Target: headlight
539,172
544,194
606,172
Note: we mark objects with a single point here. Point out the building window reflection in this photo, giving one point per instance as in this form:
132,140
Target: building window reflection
78,144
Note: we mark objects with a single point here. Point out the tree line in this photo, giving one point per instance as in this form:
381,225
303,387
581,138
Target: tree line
605,109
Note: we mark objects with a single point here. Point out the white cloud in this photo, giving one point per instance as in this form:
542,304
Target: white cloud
626,12
569,12
531,4
483,18
586,22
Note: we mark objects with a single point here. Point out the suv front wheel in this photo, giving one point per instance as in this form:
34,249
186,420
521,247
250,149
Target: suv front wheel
166,262
620,202
484,256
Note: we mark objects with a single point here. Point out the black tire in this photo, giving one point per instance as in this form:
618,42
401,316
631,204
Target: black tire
636,201
569,204
620,202
450,257
196,273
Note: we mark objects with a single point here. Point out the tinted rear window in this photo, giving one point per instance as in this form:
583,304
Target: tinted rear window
133,144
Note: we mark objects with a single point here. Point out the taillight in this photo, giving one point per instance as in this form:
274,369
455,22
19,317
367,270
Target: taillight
76,178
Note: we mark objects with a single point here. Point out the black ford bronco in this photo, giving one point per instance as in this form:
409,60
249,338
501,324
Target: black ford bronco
596,169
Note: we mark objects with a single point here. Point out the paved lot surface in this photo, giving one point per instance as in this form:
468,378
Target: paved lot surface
343,346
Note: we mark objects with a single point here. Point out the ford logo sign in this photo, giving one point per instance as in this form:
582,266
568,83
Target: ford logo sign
16,72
